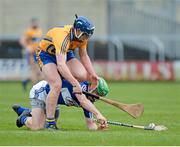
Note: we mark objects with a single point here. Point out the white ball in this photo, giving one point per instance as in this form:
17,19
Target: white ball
152,125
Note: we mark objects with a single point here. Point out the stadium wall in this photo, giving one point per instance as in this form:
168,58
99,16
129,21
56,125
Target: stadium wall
18,69
50,13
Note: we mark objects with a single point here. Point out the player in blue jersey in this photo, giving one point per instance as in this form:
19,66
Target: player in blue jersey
35,119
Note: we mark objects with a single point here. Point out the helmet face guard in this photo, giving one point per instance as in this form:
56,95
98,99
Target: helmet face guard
84,25
88,33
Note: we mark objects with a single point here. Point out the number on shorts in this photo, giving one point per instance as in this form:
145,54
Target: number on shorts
51,49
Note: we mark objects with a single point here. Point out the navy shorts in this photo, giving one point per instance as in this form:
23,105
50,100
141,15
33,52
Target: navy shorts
44,58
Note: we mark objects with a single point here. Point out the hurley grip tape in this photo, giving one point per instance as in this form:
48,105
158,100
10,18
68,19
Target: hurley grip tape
90,94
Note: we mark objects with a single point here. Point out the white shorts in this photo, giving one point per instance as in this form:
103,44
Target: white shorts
38,91
38,95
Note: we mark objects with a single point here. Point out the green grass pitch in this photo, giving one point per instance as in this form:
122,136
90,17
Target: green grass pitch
161,102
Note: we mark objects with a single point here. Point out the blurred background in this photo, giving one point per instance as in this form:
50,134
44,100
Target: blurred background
133,39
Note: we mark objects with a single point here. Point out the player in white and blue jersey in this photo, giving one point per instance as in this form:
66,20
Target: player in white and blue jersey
35,118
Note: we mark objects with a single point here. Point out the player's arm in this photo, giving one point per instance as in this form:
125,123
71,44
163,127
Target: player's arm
91,124
85,60
86,104
89,120
64,70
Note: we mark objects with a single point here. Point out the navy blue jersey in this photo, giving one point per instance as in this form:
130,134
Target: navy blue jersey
68,98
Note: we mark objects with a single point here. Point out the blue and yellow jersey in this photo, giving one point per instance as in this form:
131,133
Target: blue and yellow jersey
60,39
33,37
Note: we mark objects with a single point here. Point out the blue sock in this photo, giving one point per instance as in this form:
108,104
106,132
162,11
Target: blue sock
21,109
51,121
24,84
25,81
23,119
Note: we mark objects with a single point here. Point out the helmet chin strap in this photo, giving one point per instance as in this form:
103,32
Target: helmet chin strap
77,36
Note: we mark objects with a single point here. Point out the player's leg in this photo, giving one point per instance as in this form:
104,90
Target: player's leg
19,109
36,73
76,68
33,121
35,118
37,121
57,113
27,80
34,78
22,119
53,78
50,73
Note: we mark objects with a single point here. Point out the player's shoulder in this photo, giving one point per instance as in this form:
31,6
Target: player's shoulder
65,28
59,32
31,31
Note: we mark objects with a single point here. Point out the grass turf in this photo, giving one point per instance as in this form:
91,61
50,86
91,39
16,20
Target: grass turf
161,101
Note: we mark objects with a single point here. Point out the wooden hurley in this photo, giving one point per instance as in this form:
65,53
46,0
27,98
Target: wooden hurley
135,110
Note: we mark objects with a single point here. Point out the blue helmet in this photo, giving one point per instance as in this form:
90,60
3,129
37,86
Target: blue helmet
84,24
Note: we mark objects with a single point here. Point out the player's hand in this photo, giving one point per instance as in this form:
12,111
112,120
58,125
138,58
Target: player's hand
91,99
94,81
77,88
102,128
102,121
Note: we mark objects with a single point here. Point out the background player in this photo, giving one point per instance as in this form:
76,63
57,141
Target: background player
38,95
55,56
29,42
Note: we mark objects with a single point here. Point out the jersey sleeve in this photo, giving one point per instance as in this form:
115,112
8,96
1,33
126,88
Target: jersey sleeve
87,114
61,40
84,86
83,45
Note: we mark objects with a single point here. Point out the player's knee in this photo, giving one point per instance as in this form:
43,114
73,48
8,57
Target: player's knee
56,86
36,127
82,76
